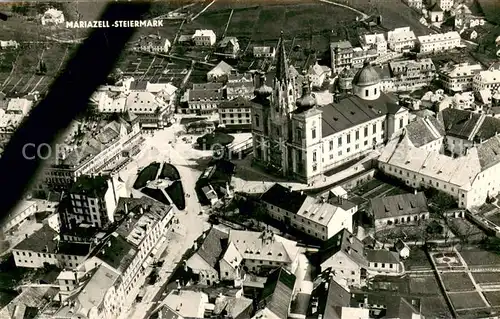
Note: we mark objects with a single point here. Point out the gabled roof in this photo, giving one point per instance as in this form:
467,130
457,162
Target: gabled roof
424,130
349,244
222,67
351,111
282,197
43,240
277,293
337,296
399,205
213,246
382,256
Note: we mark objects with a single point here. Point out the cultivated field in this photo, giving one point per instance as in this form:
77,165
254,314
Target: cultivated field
424,285
493,298
486,277
417,260
475,257
466,300
454,282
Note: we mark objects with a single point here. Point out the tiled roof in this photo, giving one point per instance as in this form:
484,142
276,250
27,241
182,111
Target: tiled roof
213,246
284,198
277,293
236,103
382,256
119,253
93,186
341,45
43,240
459,171
222,67
337,296
264,246
424,130
489,152
351,111
346,242
399,205
205,95
74,249
232,306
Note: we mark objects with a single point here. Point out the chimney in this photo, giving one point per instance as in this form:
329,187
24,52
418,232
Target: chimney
301,192
46,247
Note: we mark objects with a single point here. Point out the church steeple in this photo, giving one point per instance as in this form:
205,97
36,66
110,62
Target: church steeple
282,71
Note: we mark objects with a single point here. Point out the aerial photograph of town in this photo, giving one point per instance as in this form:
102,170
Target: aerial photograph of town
253,159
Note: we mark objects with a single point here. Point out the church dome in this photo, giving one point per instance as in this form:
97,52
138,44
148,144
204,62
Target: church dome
366,76
307,100
263,90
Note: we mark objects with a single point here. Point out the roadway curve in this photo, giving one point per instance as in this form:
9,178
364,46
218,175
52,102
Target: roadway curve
364,15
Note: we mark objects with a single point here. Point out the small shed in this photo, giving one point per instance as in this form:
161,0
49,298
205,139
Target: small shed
402,249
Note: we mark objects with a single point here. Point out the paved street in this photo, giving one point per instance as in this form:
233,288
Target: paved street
191,224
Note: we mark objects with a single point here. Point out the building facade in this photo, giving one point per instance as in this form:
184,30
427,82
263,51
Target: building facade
204,38
296,138
236,114
439,42
459,77
341,54
410,75
204,98
488,79
401,39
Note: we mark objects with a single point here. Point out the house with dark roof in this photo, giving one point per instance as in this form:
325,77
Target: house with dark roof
399,209
228,46
92,201
426,133
204,98
387,305
316,217
384,262
276,297
332,300
344,255
44,247
204,263
464,129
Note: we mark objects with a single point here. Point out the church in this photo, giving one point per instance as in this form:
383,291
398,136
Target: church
295,138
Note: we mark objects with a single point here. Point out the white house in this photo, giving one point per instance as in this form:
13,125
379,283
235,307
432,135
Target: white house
402,249
204,37
459,77
488,79
264,52
446,5
376,40
220,72
317,74
154,44
52,17
9,44
439,42
401,39
436,14
417,4
312,216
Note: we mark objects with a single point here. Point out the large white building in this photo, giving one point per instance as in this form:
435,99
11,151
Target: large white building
459,77
236,114
401,39
23,210
408,75
439,42
315,217
294,137
446,5
113,144
488,79
204,37
93,201
470,179
106,285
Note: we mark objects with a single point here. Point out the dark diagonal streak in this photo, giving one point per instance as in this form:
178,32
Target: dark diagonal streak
68,97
